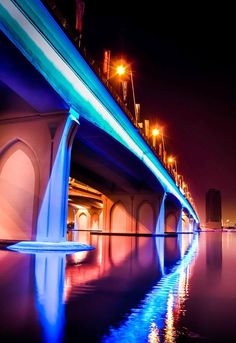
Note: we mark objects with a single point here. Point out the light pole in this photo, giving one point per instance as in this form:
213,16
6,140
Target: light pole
121,70
155,133
171,161
134,101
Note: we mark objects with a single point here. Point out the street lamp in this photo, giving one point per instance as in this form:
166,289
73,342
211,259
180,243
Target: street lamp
172,161
156,133
121,70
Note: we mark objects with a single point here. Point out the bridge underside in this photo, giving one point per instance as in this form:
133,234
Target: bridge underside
34,155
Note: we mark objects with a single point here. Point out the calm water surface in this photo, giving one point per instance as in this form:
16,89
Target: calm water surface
128,289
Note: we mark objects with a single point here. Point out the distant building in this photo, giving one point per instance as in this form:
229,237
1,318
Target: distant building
213,209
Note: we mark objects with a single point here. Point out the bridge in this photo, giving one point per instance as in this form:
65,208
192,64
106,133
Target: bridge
59,122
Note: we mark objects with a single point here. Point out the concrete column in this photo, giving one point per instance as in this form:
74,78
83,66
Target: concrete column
179,224
75,232
190,227
195,225
160,227
188,223
51,225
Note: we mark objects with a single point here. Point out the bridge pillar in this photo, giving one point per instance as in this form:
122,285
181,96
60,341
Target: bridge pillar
160,227
51,225
195,225
34,170
191,224
179,224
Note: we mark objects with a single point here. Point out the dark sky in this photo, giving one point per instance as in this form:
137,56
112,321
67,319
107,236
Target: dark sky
184,62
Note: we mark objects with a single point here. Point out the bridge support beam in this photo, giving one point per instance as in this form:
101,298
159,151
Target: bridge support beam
191,224
34,173
160,227
51,226
179,224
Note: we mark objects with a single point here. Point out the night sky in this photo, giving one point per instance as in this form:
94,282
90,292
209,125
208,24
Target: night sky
184,63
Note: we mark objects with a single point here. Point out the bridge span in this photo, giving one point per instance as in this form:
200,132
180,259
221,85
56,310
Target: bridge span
57,119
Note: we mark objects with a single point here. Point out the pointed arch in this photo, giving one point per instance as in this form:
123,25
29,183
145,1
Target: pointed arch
95,221
145,218
171,222
83,221
118,218
19,183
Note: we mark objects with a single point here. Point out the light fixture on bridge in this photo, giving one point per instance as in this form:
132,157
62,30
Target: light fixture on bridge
156,132
173,166
123,69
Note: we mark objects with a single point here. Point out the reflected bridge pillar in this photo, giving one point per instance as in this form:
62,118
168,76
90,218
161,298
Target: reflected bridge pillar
49,277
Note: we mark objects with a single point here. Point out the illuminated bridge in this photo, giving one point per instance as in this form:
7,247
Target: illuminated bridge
58,120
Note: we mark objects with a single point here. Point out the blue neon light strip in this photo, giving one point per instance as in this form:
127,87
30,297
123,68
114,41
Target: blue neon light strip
32,29
154,307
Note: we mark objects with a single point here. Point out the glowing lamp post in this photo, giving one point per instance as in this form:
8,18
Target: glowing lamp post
172,161
121,71
156,133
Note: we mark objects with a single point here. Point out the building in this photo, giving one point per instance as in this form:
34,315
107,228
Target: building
213,209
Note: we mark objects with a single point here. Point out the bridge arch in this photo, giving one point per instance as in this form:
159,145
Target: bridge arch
171,222
83,221
19,196
145,218
173,211
118,217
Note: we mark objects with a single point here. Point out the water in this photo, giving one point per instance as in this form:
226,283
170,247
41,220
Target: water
129,289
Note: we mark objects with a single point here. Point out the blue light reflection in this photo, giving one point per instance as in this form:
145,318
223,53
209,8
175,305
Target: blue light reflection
49,276
146,322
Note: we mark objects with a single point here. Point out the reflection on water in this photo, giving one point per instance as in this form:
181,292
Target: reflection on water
214,256
125,290
49,276
153,336
159,309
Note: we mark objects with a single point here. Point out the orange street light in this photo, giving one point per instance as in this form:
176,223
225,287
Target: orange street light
120,70
171,160
155,133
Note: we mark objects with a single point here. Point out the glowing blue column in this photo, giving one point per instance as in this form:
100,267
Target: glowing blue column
195,226
179,224
51,226
160,227
179,229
